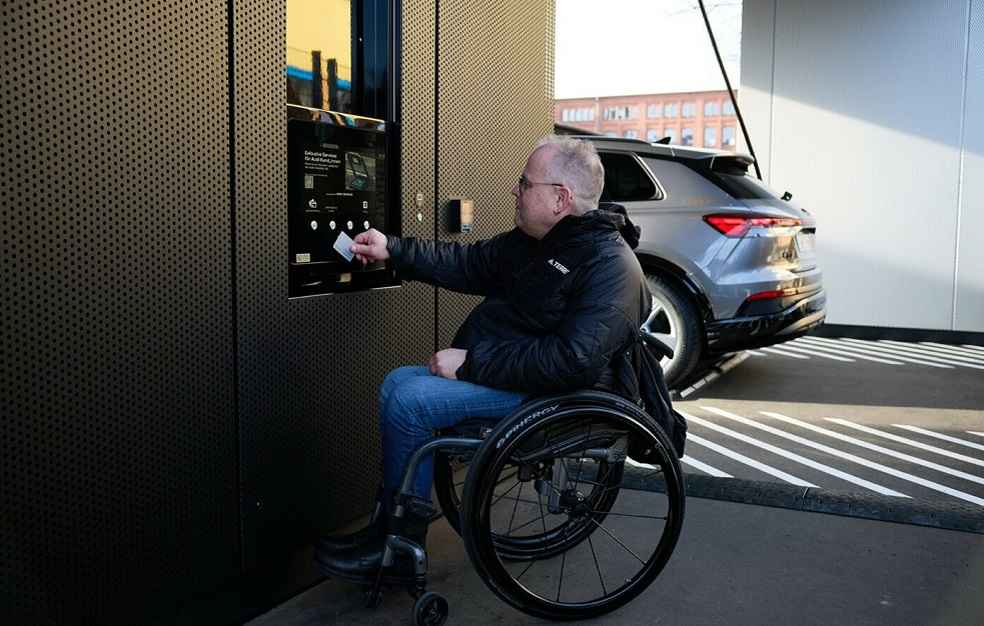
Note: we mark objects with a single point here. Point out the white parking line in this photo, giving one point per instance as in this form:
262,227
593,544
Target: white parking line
852,349
741,458
955,360
942,352
929,433
908,442
871,347
850,457
975,433
817,346
789,354
972,348
754,353
804,350
704,467
826,469
968,351
870,446
894,351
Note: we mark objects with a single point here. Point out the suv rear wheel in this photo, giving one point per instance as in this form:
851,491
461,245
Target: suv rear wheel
673,320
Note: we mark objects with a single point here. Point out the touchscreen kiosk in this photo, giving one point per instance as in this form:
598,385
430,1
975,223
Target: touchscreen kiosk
338,187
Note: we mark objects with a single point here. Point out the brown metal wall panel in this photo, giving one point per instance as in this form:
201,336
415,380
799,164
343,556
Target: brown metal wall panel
496,101
118,489
310,368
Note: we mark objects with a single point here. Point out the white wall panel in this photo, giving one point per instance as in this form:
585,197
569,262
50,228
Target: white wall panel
755,93
866,106
969,313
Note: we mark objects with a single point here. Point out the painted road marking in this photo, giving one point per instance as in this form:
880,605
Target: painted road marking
929,433
946,358
804,350
741,458
871,446
970,347
872,348
909,442
893,351
704,467
838,349
754,353
789,354
826,469
850,457
975,433
933,350
851,349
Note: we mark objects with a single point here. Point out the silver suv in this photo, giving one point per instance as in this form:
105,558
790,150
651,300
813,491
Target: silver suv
731,264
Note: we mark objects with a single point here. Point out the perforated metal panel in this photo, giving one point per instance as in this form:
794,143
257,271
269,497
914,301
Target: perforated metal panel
117,430
310,368
496,101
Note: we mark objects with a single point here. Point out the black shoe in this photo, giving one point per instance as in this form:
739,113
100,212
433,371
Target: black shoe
362,563
374,530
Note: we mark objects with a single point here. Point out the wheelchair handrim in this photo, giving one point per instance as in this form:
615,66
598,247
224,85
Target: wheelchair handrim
479,523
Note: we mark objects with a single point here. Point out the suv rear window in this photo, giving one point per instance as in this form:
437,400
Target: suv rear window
625,179
740,185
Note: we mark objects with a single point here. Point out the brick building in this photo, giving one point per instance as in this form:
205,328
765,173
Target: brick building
696,118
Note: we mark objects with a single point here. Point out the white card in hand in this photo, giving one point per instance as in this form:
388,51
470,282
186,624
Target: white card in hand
343,245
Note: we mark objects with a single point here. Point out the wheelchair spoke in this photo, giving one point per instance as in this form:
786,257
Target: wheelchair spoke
597,567
515,504
630,515
618,541
580,460
504,494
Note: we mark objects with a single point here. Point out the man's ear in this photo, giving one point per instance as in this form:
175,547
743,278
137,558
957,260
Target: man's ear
565,200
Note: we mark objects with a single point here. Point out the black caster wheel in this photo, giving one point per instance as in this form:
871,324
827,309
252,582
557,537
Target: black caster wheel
431,609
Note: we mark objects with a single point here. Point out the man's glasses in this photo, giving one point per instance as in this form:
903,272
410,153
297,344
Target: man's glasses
525,184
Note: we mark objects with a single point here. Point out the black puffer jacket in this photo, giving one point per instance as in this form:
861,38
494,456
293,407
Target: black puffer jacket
556,310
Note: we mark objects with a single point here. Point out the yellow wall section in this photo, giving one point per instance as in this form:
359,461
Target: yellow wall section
324,25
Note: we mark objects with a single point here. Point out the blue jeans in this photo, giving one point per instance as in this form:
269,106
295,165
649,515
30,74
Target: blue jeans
414,403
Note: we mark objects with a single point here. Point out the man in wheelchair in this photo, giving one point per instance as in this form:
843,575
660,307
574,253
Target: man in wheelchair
564,296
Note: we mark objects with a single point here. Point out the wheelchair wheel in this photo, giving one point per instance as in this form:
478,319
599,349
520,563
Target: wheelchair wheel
553,482
449,485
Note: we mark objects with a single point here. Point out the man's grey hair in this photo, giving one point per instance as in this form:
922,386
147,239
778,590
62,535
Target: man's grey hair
575,163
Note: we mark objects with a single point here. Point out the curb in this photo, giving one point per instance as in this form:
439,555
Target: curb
931,513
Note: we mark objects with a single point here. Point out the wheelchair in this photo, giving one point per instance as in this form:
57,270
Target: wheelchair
569,507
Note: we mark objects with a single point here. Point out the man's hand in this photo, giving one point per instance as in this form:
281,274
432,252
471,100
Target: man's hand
370,246
446,362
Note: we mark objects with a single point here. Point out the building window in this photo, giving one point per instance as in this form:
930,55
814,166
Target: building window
654,110
631,134
710,137
633,113
618,113
671,133
689,109
687,137
728,136
670,110
712,108
729,109
652,135
625,179
611,134
565,115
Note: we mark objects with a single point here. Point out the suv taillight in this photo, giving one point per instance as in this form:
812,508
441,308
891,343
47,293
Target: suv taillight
736,225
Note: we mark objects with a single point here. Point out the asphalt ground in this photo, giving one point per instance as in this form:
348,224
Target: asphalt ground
880,432
734,564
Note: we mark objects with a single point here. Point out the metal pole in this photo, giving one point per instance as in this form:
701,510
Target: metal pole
731,92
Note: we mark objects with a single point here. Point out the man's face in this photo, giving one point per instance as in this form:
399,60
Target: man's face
540,202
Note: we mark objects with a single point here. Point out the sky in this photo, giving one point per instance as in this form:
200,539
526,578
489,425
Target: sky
622,47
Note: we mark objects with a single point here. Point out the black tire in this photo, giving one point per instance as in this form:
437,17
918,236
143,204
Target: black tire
431,609
675,321
542,545
517,439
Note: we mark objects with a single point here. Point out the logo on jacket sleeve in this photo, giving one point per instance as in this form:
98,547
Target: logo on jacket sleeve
557,266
